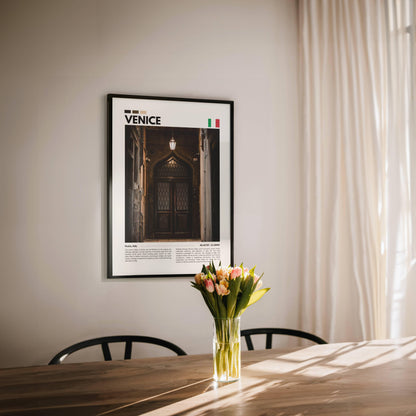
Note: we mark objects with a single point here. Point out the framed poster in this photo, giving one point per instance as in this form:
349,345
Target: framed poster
170,185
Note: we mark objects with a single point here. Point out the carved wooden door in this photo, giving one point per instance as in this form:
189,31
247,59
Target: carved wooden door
173,181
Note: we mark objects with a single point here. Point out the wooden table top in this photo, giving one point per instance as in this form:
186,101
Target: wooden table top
367,378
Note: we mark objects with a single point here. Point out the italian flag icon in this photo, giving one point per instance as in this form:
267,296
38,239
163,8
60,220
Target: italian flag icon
211,122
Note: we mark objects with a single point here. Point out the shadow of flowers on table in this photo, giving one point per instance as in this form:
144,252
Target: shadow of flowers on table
371,378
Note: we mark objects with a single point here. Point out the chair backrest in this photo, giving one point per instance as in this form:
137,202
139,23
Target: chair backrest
104,341
246,333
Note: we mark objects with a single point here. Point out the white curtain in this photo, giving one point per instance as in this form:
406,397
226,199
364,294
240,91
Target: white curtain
356,72
401,178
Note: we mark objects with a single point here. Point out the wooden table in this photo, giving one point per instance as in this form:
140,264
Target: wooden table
368,378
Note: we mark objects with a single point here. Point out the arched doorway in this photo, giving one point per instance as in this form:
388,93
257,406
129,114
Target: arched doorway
173,199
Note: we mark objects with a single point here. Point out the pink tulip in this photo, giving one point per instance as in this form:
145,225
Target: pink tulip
209,285
222,289
256,281
236,272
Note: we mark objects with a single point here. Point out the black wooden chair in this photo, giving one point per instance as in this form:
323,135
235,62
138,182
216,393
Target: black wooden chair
104,341
269,332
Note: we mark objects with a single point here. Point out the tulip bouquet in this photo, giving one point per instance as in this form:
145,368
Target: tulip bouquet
228,292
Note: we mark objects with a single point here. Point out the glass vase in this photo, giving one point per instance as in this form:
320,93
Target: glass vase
226,349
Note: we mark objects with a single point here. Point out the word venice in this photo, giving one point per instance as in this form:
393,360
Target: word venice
142,119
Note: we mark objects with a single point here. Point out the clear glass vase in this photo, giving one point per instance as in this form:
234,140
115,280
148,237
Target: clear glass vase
226,349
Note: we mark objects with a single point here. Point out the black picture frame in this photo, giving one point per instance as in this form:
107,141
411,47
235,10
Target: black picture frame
170,185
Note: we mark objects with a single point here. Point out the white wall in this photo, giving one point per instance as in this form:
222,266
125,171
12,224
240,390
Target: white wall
59,60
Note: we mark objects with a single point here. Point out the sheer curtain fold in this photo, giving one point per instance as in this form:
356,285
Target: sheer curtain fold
347,86
401,226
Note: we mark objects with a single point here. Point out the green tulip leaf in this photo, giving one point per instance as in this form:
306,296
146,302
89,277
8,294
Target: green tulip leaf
255,296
